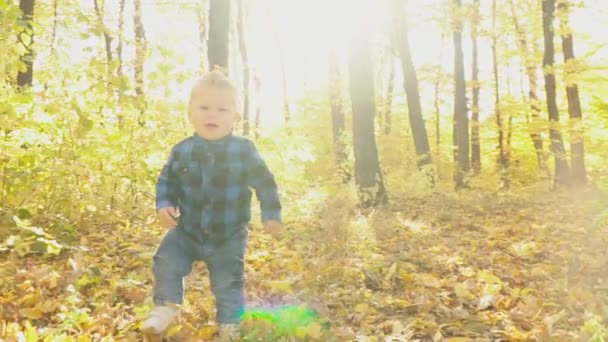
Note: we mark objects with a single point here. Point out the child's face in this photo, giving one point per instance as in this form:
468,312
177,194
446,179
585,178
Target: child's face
212,111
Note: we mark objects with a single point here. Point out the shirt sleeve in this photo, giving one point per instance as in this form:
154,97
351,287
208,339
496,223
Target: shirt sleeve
262,181
166,186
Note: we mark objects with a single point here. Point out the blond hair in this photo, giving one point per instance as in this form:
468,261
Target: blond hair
214,78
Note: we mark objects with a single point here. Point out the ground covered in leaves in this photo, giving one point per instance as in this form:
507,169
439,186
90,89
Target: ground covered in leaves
458,267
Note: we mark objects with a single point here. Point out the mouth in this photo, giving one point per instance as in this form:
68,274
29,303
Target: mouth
211,125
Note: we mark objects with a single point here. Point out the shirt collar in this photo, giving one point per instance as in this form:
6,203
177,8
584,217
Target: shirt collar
217,142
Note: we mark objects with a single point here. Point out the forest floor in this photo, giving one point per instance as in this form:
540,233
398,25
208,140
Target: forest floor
458,267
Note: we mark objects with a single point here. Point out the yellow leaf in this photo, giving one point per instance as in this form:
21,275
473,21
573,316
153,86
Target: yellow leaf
31,313
428,280
315,331
462,292
207,332
281,286
459,339
30,333
362,308
30,299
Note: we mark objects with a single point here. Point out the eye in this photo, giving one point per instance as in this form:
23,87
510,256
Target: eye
203,107
222,110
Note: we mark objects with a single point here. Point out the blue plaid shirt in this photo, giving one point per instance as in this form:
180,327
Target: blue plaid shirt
209,181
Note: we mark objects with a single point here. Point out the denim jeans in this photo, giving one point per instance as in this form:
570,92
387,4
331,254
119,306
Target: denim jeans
225,262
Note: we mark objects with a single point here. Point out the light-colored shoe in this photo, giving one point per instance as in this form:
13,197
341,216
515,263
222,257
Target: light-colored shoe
227,333
159,319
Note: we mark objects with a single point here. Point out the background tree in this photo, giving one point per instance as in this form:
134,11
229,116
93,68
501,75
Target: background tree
336,104
527,52
502,149
410,85
475,85
219,28
140,58
26,39
245,62
577,145
461,120
562,170
367,165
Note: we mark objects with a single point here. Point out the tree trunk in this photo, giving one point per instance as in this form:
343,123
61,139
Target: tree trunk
388,105
461,121
562,170
202,31
367,166
410,85
54,32
335,98
257,83
245,61
579,174
436,102
26,39
286,110
219,27
337,117
121,22
106,36
531,67
140,56
502,154
475,144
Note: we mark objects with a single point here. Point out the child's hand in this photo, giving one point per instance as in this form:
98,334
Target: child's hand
273,228
168,217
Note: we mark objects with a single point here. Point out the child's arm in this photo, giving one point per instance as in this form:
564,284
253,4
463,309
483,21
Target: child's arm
166,187
262,181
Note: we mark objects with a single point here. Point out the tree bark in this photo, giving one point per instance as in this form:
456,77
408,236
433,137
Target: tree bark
562,170
140,56
26,39
203,21
502,154
257,83
388,105
337,117
534,121
475,143
367,166
106,35
579,174
335,98
121,22
461,121
410,85
219,28
245,62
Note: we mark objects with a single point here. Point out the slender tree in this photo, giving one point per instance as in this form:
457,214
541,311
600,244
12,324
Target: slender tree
219,28
410,85
579,174
475,143
140,57
335,98
527,52
367,165
388,101
245,62
502,153
461,121
562,170
203,22
26,39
